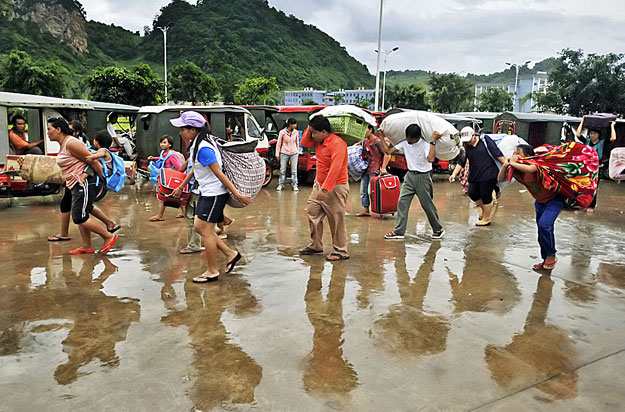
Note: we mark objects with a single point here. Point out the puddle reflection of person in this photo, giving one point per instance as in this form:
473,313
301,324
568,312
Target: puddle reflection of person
325,369
98,324
484,288
223,372
408,328
541,353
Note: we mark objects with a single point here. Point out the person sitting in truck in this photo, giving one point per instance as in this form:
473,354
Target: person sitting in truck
18,137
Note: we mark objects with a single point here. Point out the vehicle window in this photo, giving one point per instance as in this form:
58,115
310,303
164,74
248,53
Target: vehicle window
146,121
269,125
252,129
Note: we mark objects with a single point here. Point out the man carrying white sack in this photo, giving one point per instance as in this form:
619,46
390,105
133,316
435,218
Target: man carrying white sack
448,137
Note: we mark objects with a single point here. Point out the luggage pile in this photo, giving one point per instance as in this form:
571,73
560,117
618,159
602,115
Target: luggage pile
356,165
349,122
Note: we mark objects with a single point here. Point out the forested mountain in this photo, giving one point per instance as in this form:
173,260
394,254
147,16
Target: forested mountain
407,77
230,40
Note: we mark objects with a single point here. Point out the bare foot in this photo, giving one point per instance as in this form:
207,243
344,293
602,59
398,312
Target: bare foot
156,219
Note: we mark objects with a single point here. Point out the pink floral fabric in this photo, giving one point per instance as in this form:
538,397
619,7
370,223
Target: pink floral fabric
571,170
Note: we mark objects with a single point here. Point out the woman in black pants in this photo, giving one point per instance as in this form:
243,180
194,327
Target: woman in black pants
482,153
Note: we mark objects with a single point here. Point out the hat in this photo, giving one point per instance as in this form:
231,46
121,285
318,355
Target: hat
466,134
191,119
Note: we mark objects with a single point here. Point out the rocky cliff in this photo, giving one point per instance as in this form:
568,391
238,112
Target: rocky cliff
65,21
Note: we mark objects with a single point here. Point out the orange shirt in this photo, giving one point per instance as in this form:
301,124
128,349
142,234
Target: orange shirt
533,185
331,159
19,142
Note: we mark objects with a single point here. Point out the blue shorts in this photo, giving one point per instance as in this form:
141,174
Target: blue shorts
211,208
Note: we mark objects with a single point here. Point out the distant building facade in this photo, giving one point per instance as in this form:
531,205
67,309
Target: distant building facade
536,83
328,97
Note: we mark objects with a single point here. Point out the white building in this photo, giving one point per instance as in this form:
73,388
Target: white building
327,97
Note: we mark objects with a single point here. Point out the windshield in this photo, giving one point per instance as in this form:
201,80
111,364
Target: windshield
252,128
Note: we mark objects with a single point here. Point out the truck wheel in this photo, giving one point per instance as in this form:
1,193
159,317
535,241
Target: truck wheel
268,173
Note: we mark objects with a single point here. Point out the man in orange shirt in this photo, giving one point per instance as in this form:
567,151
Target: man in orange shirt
19,138
330,191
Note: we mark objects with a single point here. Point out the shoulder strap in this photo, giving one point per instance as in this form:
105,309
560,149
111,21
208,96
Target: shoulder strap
497,163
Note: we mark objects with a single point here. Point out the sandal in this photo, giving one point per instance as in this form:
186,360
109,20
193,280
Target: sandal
179,215
205,279
114,229
363,214
109,245
58,238
230,265
335,257
156,219
538,266
551,264
309,251
482,223
188,251
80,251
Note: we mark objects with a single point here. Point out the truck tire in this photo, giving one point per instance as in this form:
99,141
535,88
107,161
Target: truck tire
268,173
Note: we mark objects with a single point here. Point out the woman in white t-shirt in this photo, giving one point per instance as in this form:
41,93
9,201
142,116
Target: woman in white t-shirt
213,185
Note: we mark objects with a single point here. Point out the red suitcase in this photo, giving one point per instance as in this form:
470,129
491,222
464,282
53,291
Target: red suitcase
168,180
384,194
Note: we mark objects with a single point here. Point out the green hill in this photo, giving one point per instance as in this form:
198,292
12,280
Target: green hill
407,77
237,38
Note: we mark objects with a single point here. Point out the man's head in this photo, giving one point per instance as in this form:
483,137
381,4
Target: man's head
369,134
19,123
102,139
113,118
413,133
190,123
320,128
468,135
524,150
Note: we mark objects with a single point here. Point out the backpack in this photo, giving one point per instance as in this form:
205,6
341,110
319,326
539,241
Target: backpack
155,165
243,166
115,181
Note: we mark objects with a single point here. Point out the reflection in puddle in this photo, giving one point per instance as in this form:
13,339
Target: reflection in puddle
539,354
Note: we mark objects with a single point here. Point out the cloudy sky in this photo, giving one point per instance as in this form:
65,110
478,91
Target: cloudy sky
468,36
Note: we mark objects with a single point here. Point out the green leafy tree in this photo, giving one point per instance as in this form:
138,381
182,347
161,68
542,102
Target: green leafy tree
494,100
255,90
450,93
413,96
138,86
309,102
338,99
20,74
580,85
189,83
364,102
6,8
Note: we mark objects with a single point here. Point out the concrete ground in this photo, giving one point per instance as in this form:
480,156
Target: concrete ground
454,325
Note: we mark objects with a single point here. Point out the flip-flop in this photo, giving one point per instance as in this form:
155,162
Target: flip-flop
80,251
114,229
58,238
538,266
188,251
309,251
482,223
550,266
362,214
335,257
108,245
231,222
205,279
230,265
180,216
154,219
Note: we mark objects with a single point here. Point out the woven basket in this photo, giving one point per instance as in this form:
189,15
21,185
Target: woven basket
349,127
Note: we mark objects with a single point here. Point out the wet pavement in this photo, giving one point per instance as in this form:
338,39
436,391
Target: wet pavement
453,325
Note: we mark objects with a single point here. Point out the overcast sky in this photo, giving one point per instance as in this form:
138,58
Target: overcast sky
468,36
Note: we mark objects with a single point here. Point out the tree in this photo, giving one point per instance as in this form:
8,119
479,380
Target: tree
309,102
450,93
189,83
20,74
579,85
139,86
364,102
412,96
255,90
6,8
338,99
494,100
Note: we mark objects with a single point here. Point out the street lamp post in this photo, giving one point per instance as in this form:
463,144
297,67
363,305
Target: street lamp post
164,29
377,73
385,53
516,83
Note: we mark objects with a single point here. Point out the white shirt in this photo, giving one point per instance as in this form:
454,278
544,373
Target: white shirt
110,127
208,183
416,155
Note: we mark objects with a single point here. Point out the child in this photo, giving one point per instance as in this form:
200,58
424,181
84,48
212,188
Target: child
102,142
418,181
169,162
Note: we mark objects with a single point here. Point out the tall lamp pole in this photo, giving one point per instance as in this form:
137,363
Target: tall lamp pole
385,53
164,29
377,73
516,83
